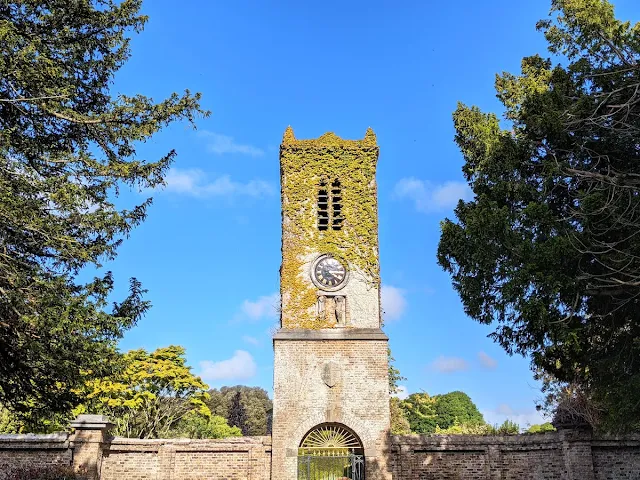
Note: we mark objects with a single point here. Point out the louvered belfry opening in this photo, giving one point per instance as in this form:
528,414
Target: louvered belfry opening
323,206
329,205
336,205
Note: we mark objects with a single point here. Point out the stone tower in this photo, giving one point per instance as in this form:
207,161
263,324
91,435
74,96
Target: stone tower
331,387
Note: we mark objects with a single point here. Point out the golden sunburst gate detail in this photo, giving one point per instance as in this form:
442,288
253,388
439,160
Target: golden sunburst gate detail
328,440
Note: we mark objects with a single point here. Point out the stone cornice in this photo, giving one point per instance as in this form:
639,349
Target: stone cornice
331,334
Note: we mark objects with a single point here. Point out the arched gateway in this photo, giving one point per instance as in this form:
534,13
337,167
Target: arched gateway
330,451
330,376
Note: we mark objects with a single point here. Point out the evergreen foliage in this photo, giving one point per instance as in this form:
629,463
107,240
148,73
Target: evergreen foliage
67,145
428,414
548,250
200,426
394,374
456,407
255,401
508,427
237,413
420,410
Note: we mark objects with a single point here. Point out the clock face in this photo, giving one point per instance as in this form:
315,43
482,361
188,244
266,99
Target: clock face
329,272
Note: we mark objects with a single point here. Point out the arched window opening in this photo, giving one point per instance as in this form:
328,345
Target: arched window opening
329,205
330,452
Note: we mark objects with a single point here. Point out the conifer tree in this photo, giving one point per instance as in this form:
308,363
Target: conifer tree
238,414
67,147
548,250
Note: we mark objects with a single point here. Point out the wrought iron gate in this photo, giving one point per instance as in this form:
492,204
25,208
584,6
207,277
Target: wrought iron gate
330,452
315,467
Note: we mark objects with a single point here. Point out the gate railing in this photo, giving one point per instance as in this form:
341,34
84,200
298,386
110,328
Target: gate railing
331,467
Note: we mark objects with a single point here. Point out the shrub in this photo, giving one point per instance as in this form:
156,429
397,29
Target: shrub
198,426
541,428
57,472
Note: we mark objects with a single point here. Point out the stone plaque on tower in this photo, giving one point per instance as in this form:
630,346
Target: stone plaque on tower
331,388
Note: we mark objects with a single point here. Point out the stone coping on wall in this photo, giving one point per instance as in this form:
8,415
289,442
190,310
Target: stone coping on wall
416,439
627,440
442,442
34,441
232,444
466,442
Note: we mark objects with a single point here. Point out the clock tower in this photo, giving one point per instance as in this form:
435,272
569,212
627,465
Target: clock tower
331,387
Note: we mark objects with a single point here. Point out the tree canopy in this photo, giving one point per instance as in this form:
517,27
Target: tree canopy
67,147
427,414
398,417
548,250
455,407
153,394
237,413
254,400
541,428
199,426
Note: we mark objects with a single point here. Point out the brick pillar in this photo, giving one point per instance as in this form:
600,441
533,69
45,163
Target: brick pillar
166,461
494,462
91,431
576,450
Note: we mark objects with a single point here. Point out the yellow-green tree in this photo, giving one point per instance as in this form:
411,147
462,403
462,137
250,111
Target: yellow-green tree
195,425
541,428
8,422
399,422
151,395
420,410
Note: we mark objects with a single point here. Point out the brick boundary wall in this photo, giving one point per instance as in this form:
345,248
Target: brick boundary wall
183,459
563,455
101,457
18,451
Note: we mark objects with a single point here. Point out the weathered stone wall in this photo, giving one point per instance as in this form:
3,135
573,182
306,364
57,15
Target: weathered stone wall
33,451
616,458
357,397
243,458
564,455
232,458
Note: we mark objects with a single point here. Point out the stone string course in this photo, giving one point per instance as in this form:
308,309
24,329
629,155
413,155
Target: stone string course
564,455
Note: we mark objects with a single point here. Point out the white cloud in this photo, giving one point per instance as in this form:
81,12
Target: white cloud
393,302
428,197
264,307
402,393
486,361
196,183
221,144
449,364
251,340
239,367
523,417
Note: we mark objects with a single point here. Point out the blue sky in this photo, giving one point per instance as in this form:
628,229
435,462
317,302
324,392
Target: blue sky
209,251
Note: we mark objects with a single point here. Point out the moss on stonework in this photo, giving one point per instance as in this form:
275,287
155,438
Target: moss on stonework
304,164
